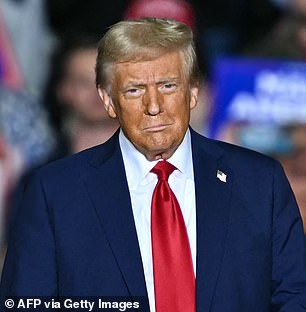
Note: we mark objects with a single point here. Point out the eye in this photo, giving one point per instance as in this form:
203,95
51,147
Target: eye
133,92
168,87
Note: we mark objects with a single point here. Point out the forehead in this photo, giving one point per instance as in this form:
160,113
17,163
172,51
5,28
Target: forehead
81,60
167,65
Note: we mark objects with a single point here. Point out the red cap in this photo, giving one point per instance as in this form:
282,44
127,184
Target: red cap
178,10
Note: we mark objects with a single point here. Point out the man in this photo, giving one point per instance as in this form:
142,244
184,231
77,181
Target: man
85,226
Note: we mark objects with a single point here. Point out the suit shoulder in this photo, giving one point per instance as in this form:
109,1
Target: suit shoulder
241,151
238,156
75,164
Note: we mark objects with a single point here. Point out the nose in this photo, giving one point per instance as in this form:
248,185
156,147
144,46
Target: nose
153,101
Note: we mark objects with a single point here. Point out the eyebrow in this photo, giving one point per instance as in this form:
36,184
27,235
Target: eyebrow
142,83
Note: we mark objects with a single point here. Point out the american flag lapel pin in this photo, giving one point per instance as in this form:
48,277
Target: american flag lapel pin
221,176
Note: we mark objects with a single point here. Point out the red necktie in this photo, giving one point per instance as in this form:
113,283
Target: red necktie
174,281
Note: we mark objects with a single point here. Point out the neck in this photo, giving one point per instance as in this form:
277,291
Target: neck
84,135
161,155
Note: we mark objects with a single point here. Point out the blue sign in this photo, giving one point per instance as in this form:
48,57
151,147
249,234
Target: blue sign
258,91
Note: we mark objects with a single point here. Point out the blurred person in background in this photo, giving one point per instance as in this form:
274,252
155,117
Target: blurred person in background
77,113
294,163
287,38
287,143
10,170
26,141
286,41
226,27
26,137
31,42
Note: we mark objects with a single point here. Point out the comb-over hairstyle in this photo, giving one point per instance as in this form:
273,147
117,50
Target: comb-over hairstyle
142,40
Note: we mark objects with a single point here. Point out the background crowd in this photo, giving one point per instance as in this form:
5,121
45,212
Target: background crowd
49,106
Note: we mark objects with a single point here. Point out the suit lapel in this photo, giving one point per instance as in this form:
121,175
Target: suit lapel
108,189
213,206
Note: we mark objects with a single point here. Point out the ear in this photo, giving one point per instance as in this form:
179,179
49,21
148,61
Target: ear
194,91
108,103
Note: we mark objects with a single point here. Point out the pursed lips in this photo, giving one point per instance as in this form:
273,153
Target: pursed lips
157,127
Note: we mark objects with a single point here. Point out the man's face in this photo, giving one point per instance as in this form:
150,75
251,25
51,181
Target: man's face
152,101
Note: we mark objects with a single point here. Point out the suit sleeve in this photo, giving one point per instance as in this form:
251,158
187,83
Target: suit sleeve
30,265
288,249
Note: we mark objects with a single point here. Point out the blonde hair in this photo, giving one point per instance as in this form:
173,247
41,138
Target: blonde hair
141,40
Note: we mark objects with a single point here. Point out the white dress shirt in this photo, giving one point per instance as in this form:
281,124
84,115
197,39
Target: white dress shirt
141,184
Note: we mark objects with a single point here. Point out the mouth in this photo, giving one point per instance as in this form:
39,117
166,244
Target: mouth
156,128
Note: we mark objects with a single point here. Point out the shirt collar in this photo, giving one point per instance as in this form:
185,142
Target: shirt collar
137,166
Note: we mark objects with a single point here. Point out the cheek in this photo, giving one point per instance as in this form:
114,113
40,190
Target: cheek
129,114
180,112
130,121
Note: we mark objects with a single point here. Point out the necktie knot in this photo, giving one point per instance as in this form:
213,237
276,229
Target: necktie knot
163,169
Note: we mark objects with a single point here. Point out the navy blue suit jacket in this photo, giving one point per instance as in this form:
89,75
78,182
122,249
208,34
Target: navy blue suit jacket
75,232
